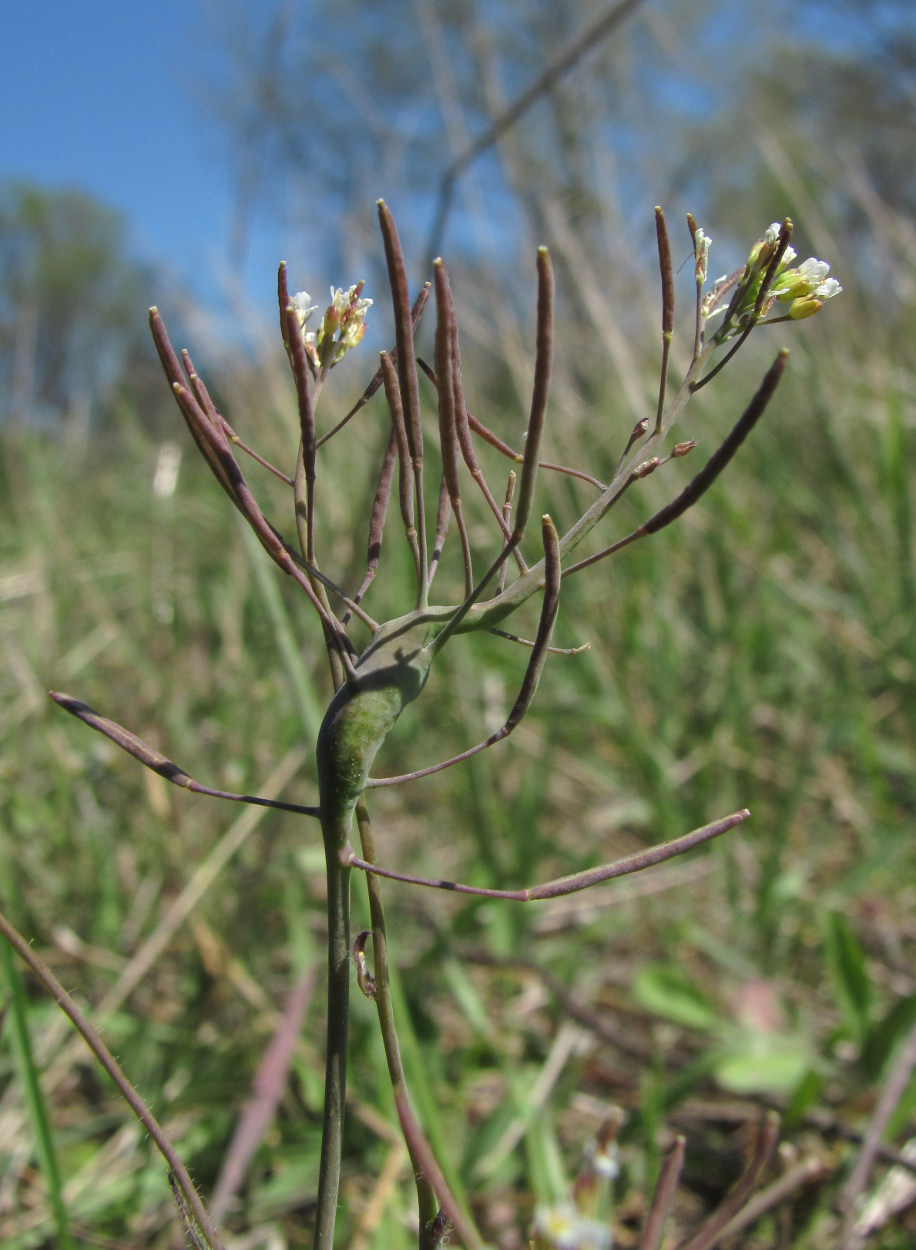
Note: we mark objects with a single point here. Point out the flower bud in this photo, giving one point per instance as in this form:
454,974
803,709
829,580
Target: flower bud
806,307
329,328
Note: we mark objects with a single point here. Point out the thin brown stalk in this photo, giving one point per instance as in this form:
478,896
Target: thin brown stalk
539,651
895,1085
377,517
478,427
381,994
419,1148
466,443
107,1060
543,364
406,492
576,881
449,391
160,764
530,642
206,402
711,1232
542,369
584,43
216,450
507,518
305,469
663,1197
707,475
804,1173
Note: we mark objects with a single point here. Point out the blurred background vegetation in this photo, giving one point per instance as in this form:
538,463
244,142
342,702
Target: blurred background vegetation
761,653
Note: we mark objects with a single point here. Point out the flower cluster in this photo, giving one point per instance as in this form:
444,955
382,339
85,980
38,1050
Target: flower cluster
342,327
805,288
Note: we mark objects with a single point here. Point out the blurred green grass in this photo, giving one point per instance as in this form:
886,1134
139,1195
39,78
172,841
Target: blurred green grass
759,653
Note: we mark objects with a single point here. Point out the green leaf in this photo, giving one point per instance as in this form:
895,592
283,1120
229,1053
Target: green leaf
846,962
755,1062
884,1034
668,992
803,1097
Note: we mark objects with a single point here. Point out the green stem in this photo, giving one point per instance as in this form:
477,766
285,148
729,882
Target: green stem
389,676
336,834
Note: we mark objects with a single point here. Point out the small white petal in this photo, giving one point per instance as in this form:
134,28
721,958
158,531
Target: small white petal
303,307
828,289
814,270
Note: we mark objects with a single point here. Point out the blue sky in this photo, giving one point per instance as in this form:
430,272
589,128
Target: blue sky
109,97
101,97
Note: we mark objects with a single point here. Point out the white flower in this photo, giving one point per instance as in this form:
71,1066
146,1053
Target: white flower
562,1227
809,279
345,319
701,242
342,327
764,248
814,270
605,1160
352,313
302,307
343,301
828,289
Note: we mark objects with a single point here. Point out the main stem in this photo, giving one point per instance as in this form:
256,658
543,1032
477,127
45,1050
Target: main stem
336,833
390,674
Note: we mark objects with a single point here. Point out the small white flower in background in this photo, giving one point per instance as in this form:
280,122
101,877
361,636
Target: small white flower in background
603,1158
165,478
562,1227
